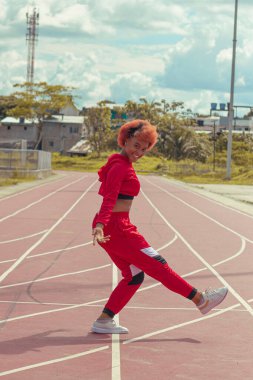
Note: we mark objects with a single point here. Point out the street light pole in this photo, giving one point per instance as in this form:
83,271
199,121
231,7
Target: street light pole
214,119
231,104
214,145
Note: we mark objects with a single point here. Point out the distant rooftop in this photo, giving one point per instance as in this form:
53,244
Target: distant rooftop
109,105
52,119
66,119
17,120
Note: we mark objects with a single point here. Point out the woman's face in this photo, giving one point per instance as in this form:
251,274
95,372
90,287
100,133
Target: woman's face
135,148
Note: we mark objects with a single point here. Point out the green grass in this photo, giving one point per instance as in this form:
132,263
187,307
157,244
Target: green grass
187,170
15,180
195,172
90,163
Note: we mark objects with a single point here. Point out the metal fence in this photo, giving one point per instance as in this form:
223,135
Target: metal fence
24,161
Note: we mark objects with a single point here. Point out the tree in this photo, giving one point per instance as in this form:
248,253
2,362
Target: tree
98,123
249,114
181,143
144,110
173,107
6,104
37,101
177,141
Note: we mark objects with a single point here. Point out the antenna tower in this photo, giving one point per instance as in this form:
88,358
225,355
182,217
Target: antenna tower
31,38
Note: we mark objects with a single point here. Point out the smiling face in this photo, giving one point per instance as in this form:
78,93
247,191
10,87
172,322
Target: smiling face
135,148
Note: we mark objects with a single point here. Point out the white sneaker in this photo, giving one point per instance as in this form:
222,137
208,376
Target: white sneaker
108,327
212,298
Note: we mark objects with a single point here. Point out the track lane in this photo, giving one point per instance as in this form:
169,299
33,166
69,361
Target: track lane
26,199
44,236
159,309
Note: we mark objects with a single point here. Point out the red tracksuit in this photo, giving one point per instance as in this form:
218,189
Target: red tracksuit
127,247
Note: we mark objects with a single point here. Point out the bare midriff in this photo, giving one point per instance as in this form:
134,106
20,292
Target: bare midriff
122,205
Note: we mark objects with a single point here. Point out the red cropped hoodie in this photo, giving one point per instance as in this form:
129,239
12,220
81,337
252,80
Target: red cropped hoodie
117,177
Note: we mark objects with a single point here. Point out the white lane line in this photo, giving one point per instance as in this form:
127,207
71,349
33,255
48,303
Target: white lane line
76,306
116,373
90,304
61,250
197,191
53,361
194,309
197,270
68,249
159,283
99,305
75,247
139,290
56,276
50,252
40,200
3,321
241,250
157,332
126,307
23,237
167,244
169,308
222,280
21,258
32,188
201,193
69,273
38,303
201,213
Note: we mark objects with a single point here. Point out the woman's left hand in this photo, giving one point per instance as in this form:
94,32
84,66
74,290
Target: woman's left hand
98,235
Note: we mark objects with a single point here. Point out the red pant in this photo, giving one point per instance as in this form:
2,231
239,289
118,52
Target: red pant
133,256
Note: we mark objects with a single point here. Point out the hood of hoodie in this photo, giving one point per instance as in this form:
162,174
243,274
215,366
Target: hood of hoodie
111,161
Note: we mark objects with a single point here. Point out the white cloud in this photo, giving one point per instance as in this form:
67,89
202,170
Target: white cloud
11,65
3,7
240,82
125,49
224,55
81,73
131,86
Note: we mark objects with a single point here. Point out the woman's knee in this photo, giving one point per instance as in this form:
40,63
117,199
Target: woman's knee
137,279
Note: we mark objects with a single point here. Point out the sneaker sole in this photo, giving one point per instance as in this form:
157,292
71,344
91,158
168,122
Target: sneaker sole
99,330
209,309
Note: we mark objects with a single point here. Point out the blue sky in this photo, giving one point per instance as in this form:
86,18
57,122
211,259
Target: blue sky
126,49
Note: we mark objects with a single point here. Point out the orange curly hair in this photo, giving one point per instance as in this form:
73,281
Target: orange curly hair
138,128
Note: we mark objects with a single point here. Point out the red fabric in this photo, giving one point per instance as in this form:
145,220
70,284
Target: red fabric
117,176
124,248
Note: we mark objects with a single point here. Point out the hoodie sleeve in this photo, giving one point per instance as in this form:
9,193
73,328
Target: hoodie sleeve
114,179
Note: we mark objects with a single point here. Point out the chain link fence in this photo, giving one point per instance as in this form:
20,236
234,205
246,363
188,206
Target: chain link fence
25,163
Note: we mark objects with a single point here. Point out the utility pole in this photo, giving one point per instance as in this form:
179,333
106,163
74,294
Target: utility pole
31,38
231,103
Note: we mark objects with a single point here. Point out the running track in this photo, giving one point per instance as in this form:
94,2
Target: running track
54,283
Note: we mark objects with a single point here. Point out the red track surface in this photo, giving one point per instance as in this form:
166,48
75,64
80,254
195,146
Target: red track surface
54,283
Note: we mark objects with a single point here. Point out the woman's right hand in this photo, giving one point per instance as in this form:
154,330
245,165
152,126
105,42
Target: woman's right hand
98,234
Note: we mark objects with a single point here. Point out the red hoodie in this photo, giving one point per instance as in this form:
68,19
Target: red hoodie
117,176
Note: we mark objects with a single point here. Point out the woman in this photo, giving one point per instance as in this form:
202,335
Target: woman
129,250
